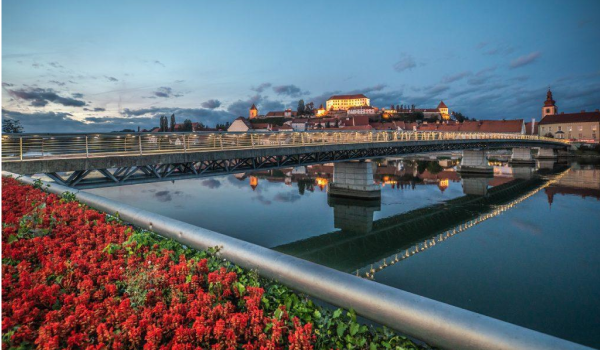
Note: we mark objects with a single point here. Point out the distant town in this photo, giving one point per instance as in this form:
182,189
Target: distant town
355,112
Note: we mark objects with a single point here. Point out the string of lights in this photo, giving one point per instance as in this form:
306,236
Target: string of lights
369,272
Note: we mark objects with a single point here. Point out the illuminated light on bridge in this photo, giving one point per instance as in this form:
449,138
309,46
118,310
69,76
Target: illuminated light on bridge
431,242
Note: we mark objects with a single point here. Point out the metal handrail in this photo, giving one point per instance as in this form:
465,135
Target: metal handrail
432,321
24,147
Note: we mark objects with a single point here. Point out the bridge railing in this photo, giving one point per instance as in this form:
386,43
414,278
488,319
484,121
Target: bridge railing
23,147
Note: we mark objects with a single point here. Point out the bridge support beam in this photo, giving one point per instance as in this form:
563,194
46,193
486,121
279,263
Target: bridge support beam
546,153
353,215
477,186
354,180
524,172
475,162
521,155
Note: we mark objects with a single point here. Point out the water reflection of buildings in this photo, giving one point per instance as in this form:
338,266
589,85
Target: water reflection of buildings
583,182
400,174
362,242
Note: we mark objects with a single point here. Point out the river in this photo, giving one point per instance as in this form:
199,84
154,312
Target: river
520,246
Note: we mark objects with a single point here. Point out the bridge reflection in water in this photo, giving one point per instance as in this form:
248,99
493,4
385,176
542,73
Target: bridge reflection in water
363,246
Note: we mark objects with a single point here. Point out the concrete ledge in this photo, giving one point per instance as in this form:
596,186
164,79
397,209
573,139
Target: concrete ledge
474,170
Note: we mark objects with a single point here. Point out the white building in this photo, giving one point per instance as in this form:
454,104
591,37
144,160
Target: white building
362,110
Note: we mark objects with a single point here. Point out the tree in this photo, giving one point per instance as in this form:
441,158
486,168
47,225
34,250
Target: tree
11,126
460,117
301,107
164,124
173,122
309,108
187,125
549,135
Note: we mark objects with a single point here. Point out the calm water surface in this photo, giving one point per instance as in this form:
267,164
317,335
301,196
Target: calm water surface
520,246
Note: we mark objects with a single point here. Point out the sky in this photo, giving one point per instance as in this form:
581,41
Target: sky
90,66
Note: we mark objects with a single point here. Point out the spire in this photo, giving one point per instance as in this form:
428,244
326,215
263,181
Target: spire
253,108
549,101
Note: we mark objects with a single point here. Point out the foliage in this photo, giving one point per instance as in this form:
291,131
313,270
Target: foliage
11,126
89,281
187,125
301,107
549,135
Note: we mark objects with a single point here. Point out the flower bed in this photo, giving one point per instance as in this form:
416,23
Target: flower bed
77,278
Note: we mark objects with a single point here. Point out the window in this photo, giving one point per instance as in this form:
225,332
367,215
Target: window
549,128
547,110
570,128
580,127
560,128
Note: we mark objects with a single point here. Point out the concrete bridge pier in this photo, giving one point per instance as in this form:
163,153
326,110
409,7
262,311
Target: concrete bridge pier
354,180
477,186
546,153
475,162
351,215
524,172
521,155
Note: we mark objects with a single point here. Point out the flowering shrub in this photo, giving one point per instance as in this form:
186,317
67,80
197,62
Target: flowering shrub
76,278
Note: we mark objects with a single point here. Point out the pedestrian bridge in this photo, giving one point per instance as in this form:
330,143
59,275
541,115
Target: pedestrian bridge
113,159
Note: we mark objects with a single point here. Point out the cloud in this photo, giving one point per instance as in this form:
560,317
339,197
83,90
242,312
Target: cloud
159,63
211,104
7,84
286,197
211,183
205,116
481,45
165,92
406,62
99,109
289,90
41,97
456,77
59,83
45,121
434,90
77,95
262,87
37,65
241,107
525,60
55,65
111,78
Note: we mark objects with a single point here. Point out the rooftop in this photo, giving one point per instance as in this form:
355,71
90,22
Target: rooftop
347,97
581,117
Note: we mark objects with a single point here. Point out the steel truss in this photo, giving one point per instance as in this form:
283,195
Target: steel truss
174,171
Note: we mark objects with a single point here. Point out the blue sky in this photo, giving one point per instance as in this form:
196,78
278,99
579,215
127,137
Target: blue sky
107,65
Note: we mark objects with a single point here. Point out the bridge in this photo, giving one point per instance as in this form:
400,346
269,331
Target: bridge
114,159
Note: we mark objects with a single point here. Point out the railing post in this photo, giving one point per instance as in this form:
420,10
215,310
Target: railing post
21,148
252,140
140,144
184,145
87,151
221,140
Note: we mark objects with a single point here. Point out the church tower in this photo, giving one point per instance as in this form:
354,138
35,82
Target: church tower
443,109
253,112
549,105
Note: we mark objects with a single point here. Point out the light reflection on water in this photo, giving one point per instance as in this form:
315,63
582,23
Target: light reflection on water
533,263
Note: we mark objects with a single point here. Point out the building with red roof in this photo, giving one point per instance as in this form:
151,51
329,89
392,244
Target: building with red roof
582,126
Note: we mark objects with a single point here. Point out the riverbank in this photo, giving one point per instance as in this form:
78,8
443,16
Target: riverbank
75,277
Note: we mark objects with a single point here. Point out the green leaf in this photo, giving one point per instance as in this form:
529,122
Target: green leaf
317,314
337,313
341,328
354,327
12,238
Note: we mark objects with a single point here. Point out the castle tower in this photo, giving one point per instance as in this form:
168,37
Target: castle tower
443,109
253,112
549,105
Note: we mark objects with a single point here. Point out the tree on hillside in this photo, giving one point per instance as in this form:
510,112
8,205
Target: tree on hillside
11,126
300,109
173,122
